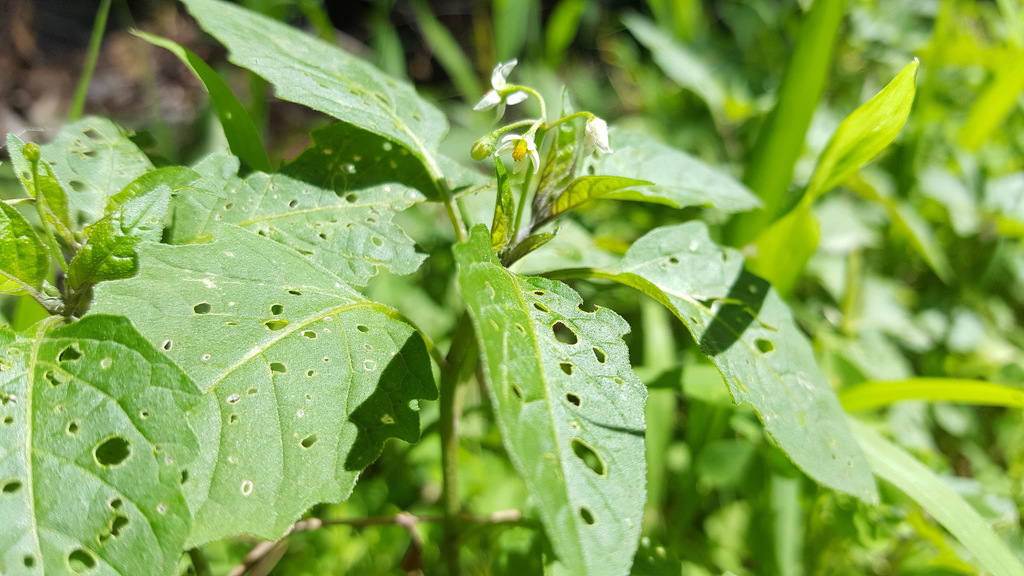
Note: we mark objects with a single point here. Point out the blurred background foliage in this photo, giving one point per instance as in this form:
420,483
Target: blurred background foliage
919,272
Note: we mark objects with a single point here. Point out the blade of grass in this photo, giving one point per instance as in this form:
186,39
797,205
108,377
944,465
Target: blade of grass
882,393
447,51
782,137
894,465
99,26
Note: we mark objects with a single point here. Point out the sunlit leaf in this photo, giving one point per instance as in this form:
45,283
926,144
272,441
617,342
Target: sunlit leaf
94,448
307,377
746,330
568,405
23,257
503,226
349,231
309,71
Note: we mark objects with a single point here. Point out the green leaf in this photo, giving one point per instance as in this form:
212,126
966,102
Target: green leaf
570,409
560,167
309,71
307,378
239,129
92,159
892,464
135,214
350,232
876,394
747,331
680,180
94,447
24,261
40,183
864,133
782,251
503,227
587,188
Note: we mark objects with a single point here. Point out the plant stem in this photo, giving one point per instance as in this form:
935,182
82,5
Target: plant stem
461,357
98,27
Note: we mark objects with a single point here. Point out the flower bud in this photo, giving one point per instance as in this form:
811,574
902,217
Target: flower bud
31,152
484,147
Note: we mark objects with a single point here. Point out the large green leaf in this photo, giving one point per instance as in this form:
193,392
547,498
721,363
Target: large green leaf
23,257
918,482
94,448
309,71
307,377
570,409
133,215
747,331
242,135
680,180
348,231
93,159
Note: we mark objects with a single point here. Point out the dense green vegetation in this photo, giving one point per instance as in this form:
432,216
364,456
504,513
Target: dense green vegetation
768,322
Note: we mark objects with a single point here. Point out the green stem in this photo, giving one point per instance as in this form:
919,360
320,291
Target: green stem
563,120
512,88
98,27
461,357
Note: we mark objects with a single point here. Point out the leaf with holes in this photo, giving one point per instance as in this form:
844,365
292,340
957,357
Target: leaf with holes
133,215
93,451
570,409
309,71
747,331
680,180
349,231
307,377
92,159
23,258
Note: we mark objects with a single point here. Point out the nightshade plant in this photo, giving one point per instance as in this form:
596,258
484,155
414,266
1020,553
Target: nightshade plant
210,367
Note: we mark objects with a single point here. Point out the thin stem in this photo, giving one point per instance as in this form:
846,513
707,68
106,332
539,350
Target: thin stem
455,215
573,116
461,356
511,88
98,27
51,304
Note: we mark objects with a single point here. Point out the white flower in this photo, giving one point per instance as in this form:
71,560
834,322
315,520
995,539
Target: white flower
494,97
522,147
596,133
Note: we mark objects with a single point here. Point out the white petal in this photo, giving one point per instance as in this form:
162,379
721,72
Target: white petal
596,133
501,72
516,97
535,157
490,100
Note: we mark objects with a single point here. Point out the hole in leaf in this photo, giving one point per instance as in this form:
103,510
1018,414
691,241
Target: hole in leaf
229,205
573,399
564,334
115,503
310,373
92,134
350,197
587,516
673,260
587,307
205,357
8,420
274,325
587,455
278,367
517,390
541,307
309,334
184,476
29,561
73,428
118,524
168,344
81,561
295,293
144,414
520,328
362,328
252,391
377,241
309,441
77,185
11,486
600,355
52,378
233,419
293,204
566,367
233,399
112,451
539,292
202,308
69,354
765,346
246,487
277,309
